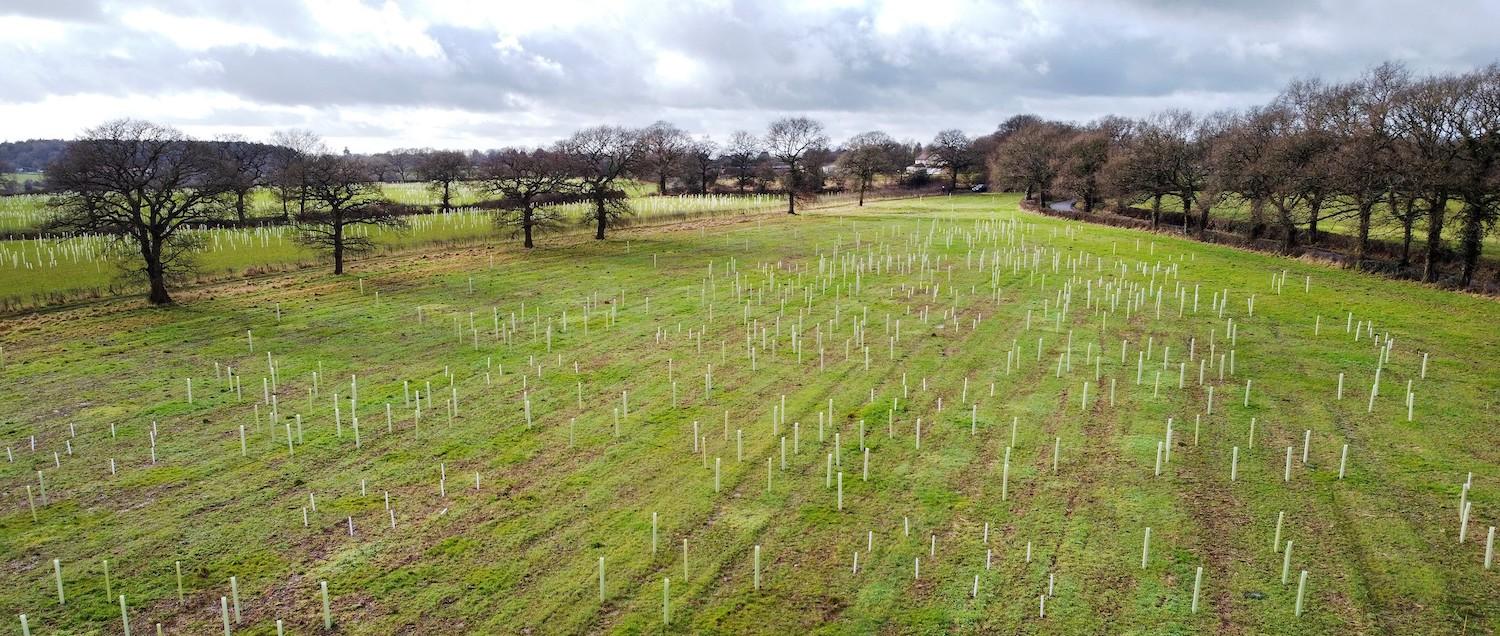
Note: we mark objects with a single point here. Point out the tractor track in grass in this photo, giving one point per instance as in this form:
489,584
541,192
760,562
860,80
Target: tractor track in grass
983,466
1100,432
1219,513
739,488
796,556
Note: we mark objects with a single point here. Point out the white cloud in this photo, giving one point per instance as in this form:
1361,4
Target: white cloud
352,27
198,33
26,33
673,68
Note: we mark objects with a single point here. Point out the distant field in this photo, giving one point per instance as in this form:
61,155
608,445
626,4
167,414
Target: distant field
26,212
22,177
45,271
696,402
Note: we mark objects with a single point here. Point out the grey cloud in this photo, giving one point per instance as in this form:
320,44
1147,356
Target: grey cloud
762,59
68,10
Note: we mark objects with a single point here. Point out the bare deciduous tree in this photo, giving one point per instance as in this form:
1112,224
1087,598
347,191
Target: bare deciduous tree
1029,158
701,167
341,195
790,140
527,181
241,166
143,184
1149,166
1212,132
602,155
293,148
1085,157
741,155
954,151
1429,114
405,163
1479,165
442,170
867,156
664,146
1360,116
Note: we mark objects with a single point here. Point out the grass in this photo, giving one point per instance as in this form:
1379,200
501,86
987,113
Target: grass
24,212
1382,227
37,272
520,553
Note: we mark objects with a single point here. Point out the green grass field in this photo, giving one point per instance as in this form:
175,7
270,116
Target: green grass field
39,272
470,518
29,211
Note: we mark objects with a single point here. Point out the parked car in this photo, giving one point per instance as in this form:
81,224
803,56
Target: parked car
978,187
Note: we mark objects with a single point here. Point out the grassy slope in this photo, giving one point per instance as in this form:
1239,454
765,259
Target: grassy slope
522,550
1382,228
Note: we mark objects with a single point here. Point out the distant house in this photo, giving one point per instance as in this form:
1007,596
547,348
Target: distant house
925,162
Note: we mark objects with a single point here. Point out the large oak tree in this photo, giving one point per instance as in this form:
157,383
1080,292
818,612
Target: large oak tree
790,140
143,184
526,181
601,157
342,197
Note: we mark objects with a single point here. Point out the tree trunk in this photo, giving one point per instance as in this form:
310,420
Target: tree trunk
1187,209
1435,214
338,247
526,227
1472,241
600,218
1257,219
155,273
158,295
791,188
1406,235
861,193
1155,210
239,205
1362,242
446,196
661,182
953,179
1288,223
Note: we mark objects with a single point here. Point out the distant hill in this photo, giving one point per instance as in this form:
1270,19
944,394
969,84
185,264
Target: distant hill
31,155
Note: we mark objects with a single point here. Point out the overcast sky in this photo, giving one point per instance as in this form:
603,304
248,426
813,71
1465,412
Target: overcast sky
375,75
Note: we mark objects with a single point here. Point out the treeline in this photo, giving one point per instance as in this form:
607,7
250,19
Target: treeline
144,184
31,155
1420,155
